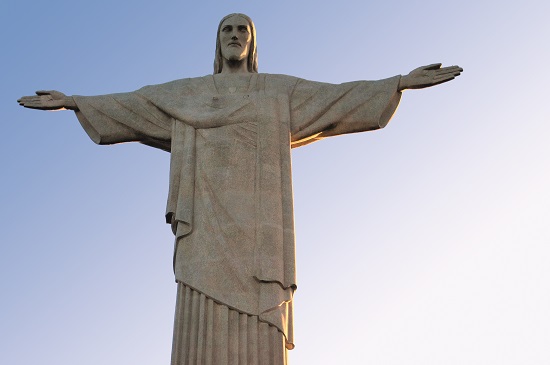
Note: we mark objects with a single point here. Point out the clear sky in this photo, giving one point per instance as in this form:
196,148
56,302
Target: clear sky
426,242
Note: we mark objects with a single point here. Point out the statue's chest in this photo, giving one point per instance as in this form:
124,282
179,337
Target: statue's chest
211,110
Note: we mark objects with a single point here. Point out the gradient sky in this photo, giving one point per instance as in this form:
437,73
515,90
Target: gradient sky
426,242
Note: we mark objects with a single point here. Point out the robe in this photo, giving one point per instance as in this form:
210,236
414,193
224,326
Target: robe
230,193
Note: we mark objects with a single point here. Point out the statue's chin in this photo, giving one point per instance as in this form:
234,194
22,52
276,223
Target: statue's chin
236,58
234,55
235,61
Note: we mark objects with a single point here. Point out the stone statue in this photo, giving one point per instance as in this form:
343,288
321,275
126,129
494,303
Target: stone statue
230,195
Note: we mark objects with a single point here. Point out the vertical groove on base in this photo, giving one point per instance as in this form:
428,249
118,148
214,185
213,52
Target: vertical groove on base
208,333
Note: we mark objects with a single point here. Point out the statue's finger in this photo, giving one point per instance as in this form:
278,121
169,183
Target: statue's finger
39,106
440,76
35,99
454,72
33,106
458,70
25,99
450,69
44,92
441,79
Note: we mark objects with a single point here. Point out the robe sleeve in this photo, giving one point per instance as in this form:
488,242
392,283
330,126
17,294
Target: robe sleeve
124,117
319,110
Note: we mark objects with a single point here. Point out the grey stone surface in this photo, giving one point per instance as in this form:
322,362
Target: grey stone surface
230,135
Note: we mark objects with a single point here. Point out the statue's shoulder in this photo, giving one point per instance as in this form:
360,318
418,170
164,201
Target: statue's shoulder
280,78
176,84
180,87
279,82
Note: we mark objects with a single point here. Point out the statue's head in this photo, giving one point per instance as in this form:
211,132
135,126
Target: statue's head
229,52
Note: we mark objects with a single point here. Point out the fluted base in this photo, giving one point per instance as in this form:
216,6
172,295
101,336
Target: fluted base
209,333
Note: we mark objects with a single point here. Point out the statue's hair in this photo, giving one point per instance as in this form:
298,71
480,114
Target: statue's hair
252,60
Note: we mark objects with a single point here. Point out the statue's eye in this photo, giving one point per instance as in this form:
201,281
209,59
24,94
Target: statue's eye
227,28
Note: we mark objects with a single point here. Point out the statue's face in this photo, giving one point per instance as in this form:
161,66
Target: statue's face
235,38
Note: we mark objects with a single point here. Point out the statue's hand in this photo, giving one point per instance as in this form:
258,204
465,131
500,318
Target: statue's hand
427,76
47,100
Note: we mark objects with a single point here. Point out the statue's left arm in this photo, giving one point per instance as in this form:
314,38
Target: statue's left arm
319,110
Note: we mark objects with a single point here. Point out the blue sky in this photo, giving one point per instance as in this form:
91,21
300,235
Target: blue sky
426,242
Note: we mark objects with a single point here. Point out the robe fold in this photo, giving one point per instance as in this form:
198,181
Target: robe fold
230,193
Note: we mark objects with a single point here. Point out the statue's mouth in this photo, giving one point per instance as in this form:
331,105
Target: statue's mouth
234,44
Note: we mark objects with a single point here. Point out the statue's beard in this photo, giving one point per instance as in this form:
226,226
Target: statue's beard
235,61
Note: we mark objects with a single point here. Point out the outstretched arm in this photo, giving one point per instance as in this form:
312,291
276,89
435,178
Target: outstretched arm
112,118
48,100
427,76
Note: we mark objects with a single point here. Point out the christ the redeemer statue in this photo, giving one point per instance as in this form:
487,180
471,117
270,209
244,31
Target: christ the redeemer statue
230,195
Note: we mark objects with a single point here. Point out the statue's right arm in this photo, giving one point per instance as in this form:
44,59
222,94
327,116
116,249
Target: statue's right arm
48,100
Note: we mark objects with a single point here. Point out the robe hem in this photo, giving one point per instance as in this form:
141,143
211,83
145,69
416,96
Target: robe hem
288,345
